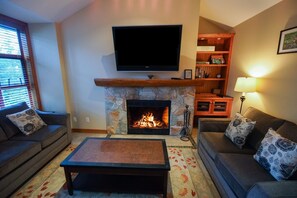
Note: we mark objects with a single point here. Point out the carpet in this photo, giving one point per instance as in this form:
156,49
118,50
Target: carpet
171,140
186,178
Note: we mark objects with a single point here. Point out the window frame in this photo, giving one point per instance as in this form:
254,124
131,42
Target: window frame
32,84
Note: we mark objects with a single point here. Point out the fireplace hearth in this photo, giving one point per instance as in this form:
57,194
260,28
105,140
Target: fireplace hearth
148,117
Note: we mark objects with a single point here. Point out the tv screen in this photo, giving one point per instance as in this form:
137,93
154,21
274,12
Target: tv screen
147,48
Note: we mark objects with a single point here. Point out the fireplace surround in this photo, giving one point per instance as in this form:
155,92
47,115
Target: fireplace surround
116,106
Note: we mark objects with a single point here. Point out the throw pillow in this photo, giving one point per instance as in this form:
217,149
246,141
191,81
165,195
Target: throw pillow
278,155
238,129
28,121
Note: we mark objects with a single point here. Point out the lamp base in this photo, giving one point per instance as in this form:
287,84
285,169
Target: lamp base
242,98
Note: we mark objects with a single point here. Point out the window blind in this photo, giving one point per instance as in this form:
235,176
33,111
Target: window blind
16,75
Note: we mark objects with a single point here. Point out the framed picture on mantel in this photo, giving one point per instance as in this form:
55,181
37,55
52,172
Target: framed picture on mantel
288,41
188,74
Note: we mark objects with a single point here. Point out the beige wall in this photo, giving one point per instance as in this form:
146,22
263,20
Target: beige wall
88,48
207,26
48,68
254,54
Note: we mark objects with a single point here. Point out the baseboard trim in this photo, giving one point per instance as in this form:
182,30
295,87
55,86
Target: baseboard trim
89,131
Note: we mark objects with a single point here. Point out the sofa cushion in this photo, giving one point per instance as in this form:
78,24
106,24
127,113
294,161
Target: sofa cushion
28,121
3,136
9,128
289,131
264,122
238,129
217,142
241,172
46,135
14,153
277,155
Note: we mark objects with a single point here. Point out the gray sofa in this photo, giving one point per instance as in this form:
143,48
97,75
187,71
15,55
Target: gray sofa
233,170
22,156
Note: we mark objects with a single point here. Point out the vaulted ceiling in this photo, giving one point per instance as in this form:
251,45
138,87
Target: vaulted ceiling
227,12
41,11
233,12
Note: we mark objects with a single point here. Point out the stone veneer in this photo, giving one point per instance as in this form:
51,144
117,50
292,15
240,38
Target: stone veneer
116,109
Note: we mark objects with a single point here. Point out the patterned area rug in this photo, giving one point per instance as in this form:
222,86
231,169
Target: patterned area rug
186,178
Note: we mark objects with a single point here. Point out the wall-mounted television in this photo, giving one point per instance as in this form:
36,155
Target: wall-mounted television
147,48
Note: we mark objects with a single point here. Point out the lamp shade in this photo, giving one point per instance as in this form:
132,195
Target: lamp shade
245,84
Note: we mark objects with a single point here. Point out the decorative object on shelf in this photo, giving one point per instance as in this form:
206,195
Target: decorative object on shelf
187,74
287,41
245,85
219,75
150,76
185,132
198,73
206,75
217,59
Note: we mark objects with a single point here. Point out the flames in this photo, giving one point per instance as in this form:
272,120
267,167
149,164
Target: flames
148,120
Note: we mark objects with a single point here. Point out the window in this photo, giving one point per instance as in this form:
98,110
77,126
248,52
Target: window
17,83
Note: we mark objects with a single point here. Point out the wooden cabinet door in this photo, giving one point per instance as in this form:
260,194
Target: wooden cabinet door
203,107
220,107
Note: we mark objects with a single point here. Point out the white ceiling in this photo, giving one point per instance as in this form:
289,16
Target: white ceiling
41,11
233,12
227,12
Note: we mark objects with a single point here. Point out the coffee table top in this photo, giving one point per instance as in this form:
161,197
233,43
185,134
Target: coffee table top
119,152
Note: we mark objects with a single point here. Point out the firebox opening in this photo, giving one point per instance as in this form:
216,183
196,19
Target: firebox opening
148,116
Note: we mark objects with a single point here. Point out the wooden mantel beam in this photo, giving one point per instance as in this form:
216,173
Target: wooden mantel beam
129,82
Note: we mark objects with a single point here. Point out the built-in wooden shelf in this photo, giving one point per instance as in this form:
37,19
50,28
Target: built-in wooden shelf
127,82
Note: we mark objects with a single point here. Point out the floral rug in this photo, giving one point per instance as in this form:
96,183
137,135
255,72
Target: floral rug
186,178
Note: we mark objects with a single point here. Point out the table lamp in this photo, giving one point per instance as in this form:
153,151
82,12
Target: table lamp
245,85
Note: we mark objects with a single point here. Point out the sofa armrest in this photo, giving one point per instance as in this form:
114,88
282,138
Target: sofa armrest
273,189
54,118
213,124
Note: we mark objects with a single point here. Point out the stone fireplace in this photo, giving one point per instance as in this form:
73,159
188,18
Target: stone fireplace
117,113
148,117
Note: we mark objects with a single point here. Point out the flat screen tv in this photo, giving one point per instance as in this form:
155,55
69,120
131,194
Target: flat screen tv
147,48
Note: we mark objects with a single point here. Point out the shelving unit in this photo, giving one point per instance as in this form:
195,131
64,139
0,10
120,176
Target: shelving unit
212,70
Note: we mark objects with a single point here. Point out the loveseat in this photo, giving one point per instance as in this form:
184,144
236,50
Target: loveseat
21,156
234,171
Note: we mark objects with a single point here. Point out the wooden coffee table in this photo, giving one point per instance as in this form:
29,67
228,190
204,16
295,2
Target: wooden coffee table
118,165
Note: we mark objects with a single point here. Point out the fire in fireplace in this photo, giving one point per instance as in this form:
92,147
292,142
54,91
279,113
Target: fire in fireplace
148,117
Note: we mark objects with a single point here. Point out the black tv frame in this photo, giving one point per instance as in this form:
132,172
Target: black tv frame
145,67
